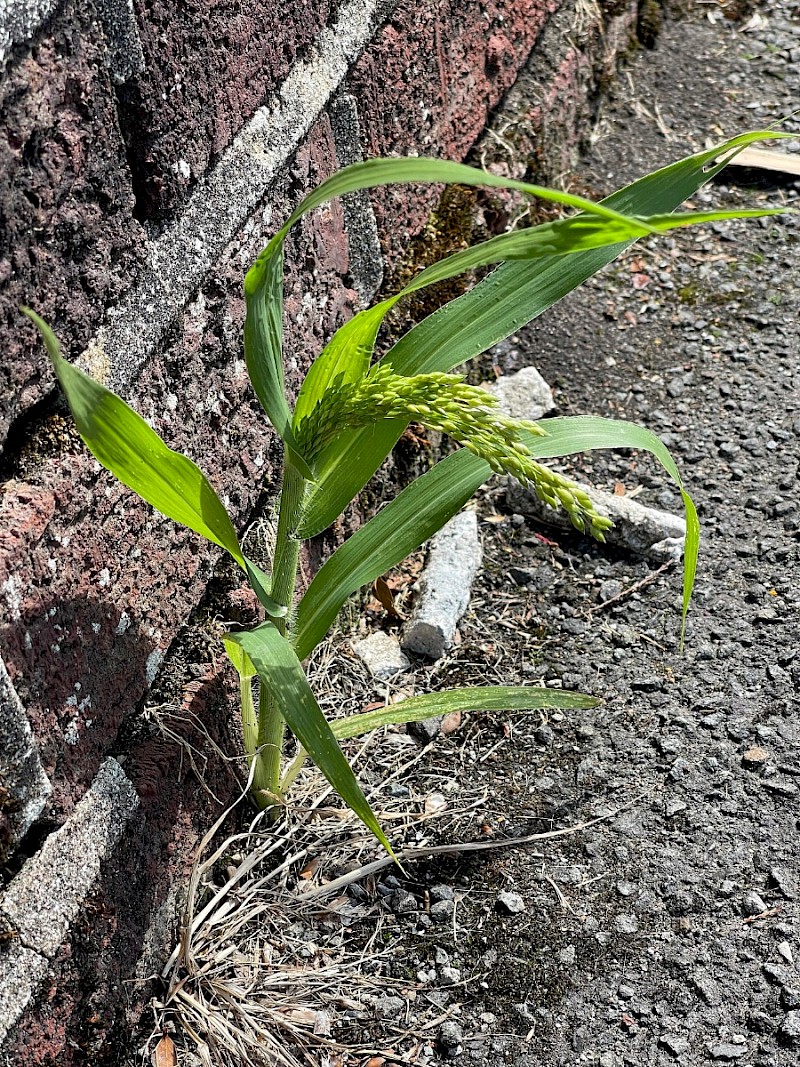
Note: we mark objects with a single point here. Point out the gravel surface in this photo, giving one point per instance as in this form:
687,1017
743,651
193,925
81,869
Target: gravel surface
667,933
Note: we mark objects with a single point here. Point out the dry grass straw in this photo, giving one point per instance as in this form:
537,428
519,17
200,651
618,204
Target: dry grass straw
280,959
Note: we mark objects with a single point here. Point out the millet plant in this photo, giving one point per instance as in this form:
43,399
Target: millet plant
349,413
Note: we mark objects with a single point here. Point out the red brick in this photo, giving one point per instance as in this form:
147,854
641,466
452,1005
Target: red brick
429,82
81,550
208,66
68,242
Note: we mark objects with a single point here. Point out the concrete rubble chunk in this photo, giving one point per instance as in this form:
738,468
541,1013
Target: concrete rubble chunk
445,584
22,776
523,395
49,891
382,655
645,531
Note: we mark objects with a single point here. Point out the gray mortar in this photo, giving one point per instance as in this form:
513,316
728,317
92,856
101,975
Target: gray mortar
21,972
124,56
228,196
49,891
364,246
19,21
21,773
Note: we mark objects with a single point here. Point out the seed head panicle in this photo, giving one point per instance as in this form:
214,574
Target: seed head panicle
464,412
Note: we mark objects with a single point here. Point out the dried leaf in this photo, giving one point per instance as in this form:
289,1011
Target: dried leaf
768,159
312,866
165,1054
386,597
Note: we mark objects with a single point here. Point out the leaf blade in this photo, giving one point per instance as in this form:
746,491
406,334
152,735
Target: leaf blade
565,436
280,669
514,294
402,526
480,698
133,452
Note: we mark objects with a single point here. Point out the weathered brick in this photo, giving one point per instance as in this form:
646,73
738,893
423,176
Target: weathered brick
427,84
68,241
94,583
208,66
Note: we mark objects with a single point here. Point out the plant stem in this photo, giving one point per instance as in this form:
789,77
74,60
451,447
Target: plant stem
266,781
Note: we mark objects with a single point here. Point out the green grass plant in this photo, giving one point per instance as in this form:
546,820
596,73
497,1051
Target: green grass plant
349,413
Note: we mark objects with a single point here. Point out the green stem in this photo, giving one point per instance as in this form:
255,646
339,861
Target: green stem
271,727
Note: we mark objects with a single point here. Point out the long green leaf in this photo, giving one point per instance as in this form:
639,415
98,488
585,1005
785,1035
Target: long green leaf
263,346
402,526
515,293
281,670
261,585
125,445
263,285
424,505
347,356
483,698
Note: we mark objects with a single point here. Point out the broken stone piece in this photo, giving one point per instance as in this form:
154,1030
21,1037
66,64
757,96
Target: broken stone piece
523,395
382,655
445,584
646,531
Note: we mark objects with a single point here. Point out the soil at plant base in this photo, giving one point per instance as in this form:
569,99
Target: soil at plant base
666,932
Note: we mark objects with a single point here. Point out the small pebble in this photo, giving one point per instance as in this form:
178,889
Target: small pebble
789,1030
790,998
510,903
785,951
677,1044
755,757
727,1050
442,911
752,903
626,924
449,1039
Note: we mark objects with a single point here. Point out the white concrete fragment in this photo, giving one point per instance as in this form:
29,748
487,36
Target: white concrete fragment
49,891
645,531
382,655
445,584
21,773
523,395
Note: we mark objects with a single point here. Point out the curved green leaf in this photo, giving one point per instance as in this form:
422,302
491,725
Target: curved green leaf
514,294
582,433
261,584
281,670
414,515
483,698
426,504
134,453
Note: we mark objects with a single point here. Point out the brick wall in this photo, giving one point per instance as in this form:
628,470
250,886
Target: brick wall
147,151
